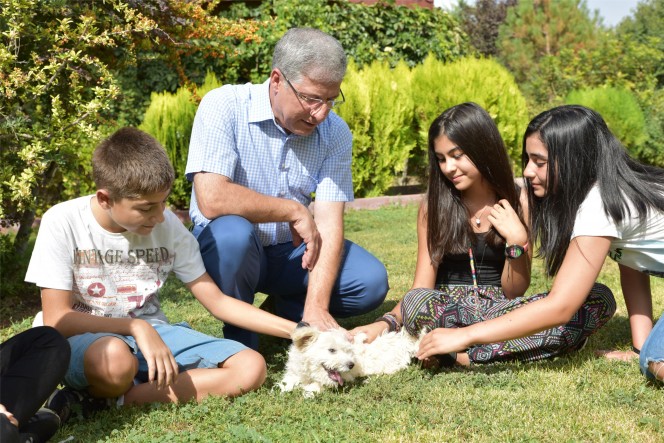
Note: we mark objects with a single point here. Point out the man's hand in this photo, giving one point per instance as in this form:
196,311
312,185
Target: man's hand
320,319
304,229
162,367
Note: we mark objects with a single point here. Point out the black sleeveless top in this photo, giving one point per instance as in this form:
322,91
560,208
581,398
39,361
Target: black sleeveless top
489,263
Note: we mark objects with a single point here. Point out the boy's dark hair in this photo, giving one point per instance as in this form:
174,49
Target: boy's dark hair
131,163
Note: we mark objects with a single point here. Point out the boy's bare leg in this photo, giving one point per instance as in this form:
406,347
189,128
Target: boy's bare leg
239,374
110,367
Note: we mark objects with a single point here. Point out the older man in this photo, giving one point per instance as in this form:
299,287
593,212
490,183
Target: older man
256,156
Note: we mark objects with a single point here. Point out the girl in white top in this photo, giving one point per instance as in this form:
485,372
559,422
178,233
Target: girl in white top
587,199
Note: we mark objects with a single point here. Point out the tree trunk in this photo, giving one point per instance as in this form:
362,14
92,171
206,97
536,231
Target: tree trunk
23,234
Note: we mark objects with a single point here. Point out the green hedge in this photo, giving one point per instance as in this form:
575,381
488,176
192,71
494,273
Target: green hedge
388,110
438,86
169,119
620,110
379,110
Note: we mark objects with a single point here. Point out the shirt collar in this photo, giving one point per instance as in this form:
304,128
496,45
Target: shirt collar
260,109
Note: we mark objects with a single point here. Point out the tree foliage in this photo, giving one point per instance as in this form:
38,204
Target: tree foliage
438,86
647,27
380,32
535,29
482,21
59,86
379,111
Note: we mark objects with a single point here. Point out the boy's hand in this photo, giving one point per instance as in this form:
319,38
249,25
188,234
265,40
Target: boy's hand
162,367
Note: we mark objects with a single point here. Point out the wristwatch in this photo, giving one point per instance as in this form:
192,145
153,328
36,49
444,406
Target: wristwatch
515,251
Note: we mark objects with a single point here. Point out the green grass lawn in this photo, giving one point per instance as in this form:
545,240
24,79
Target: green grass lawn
575,398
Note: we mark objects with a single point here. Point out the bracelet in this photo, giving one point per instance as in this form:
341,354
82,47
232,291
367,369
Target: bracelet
302,324
392,322
635,350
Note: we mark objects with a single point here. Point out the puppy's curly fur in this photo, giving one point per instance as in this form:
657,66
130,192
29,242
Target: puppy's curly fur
318,360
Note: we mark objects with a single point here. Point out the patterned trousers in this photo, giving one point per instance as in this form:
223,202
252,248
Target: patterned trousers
458,306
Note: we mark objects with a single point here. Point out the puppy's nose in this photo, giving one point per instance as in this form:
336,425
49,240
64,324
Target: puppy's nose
351,365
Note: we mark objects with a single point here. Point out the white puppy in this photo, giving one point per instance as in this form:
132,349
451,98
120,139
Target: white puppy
318,360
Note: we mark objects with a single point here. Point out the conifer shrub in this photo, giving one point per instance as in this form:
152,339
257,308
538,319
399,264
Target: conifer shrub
379,111
437,86
169,118
620,110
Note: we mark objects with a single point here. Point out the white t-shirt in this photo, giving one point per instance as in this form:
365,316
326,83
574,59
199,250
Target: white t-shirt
111,274
638,245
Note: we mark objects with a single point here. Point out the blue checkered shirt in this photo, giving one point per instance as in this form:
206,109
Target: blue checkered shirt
235,135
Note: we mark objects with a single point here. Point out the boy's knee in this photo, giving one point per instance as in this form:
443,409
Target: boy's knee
249,369
110,367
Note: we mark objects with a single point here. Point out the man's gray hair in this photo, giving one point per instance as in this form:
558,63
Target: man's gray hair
311,53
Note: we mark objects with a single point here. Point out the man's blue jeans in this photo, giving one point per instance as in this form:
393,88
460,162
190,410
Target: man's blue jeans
241,266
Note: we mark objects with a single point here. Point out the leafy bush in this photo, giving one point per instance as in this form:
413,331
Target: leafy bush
437,86
380,32
620,110
59,88
652,102
379,110
169,119
387,109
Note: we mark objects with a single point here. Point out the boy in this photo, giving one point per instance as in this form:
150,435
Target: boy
100,261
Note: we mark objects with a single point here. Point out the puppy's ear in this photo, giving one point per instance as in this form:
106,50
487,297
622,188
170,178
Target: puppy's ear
303,336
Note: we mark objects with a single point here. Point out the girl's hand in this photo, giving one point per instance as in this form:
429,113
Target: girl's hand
372,330
442,341
617,355
507,223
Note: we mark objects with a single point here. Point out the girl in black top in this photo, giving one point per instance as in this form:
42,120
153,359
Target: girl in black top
473,251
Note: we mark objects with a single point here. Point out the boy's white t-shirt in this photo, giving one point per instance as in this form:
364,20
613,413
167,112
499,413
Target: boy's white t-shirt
635,244
111,274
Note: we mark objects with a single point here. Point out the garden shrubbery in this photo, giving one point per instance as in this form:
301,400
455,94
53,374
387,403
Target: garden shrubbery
437,86
620,110
73,72
169,119
387,109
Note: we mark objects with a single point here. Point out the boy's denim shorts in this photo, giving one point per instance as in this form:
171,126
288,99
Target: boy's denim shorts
653,348
191,349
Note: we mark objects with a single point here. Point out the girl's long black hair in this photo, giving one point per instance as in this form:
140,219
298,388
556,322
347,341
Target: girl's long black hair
471,128
583,152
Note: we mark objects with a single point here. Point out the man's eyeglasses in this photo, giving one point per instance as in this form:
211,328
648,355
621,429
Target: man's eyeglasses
315,104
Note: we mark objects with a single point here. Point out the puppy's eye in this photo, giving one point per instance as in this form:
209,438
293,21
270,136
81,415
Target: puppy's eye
332,351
